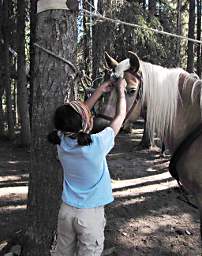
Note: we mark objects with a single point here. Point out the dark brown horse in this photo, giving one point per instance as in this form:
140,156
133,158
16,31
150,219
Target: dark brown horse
173,100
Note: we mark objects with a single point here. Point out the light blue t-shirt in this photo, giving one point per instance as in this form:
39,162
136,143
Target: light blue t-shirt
87,182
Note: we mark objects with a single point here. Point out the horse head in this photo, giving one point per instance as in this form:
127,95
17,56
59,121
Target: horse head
106,109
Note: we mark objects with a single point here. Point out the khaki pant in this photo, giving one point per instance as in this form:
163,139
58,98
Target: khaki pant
80,231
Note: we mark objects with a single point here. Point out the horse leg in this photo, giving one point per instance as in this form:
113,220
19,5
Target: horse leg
163,148
146,141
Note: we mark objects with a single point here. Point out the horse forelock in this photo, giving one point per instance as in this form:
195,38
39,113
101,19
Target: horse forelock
122,67
160,94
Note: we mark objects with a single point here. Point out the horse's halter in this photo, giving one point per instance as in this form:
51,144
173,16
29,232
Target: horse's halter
137,98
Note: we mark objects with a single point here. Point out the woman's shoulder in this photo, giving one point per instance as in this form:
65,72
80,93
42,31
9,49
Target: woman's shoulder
108,131
105,139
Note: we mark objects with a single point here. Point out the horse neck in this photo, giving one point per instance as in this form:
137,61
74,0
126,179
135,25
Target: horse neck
188,112
174,105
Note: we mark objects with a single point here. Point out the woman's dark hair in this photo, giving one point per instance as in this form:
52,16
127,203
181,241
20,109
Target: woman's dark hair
66,119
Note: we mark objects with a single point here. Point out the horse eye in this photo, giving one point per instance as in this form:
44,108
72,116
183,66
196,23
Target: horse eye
131,92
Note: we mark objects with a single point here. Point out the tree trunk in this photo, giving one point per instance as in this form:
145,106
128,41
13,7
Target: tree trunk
7,82
190,51
199,47
1,73
33,15
56,30
179,30
152,7
102,36
15,107
1,111
22,96
87,39
160,9
144,4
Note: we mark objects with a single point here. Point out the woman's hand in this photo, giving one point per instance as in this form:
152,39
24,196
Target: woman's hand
106,86
120,106
103,88
121,86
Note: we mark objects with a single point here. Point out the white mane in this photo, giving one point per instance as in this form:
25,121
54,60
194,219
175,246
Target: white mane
160,92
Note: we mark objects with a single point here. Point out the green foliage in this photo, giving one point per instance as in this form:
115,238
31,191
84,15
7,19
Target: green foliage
150,46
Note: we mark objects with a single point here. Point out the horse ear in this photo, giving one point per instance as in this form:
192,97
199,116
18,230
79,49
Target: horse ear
111,63
134,61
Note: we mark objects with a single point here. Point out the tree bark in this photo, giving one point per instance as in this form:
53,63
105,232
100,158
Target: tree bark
1,73
190,51
199,47
87,39
56,30
7,82
33,16
179,30
144,4
1,114
22,95
152,7
102,38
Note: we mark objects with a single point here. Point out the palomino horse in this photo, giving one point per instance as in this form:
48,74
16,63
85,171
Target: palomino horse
173,101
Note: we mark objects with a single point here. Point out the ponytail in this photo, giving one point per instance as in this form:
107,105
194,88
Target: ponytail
53,138
84,139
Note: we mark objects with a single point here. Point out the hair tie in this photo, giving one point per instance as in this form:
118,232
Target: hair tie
87,119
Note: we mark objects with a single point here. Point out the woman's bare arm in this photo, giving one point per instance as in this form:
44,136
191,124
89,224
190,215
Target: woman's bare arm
105,87
120,107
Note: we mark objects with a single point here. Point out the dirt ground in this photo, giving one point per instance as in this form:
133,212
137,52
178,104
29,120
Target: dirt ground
147,217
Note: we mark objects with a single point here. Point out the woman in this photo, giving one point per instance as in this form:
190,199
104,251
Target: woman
87,184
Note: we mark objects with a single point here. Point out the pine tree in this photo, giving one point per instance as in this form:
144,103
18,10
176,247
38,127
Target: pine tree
56,31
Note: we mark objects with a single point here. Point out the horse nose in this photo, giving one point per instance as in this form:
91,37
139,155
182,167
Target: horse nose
99,124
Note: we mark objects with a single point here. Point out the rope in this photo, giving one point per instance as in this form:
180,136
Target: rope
78,75
118,22
58,57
